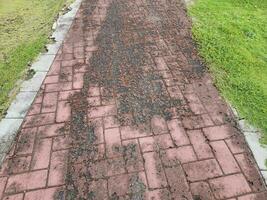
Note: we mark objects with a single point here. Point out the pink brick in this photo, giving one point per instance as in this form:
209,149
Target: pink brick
61,142
99,188
102,111
55,68
111,122
179,155
258,196
158,194
178,183
201,190
14,197
158,125
41,155
16,165
63,111
197,121
80,69
195,104
94,91
65,95
57,168
94,101
154,170
113,142
26,141
44,194
39,120
229,186
51,130
128,132
2,185
218,132
177,132
118,185
175,92
202,170
250,171
224,157
200,144
236,145
49,102
78,81
154,143
57,87
132,156
160,63
26,181
51,79
97,123
115,166
34,109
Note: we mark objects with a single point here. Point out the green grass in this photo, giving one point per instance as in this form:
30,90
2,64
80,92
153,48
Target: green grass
232,39
24,29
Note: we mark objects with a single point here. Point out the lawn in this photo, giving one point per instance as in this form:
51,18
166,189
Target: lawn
232,39
24,29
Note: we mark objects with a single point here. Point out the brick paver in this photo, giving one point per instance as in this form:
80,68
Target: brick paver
127,111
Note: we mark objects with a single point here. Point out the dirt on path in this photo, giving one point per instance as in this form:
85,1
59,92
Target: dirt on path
128,112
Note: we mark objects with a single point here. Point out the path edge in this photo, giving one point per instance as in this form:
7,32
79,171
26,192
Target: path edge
11,123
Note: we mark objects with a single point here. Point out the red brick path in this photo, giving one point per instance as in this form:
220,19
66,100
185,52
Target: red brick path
193,151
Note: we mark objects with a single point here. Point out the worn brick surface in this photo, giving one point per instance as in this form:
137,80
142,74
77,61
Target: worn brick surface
128,111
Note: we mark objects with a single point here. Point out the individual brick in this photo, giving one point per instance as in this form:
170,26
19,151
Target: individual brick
78,81
113,142
251,172
57,168
49,102
179,155
178,183
41,156
201,190
102,111
63,112
51,130
14,197
154,143
178,133
195,104
128,132
229,186
158,125
224,157
218,132
26,181
154,170
43,194
200,144
202,170
39,120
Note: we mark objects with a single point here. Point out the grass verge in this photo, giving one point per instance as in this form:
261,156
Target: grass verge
232,39
24,29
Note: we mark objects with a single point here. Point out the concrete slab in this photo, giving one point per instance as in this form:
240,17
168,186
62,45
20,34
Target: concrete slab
259,151
246,127
43,63
264,174
52,49
34,84
8,129
20,105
